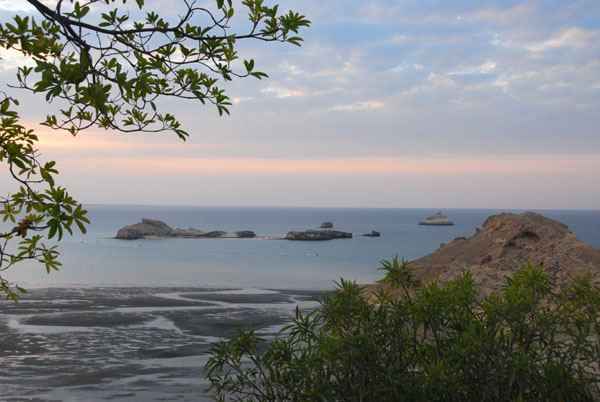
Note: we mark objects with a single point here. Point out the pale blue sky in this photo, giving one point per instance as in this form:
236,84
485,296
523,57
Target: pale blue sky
387,104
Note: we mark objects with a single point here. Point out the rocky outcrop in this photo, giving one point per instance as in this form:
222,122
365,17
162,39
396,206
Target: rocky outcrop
503,244
373,233
326,225
216,233
318,235
191,232
147,227
437,219
155,228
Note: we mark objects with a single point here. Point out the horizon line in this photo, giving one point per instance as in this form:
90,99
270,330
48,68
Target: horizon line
510,209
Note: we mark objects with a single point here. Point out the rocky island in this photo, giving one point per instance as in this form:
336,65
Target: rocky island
326,225
156,228
318,235
437,219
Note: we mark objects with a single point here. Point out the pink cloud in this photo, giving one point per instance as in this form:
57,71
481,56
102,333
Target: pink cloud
516,164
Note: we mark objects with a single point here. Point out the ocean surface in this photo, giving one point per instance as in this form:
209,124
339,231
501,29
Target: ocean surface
132,320
97,259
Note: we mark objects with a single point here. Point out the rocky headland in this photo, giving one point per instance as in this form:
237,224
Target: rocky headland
502,245
437,219
156,228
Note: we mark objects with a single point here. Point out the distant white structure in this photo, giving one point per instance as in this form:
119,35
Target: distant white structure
438,219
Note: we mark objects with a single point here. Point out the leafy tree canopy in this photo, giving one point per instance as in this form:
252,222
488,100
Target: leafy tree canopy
108,67
533,341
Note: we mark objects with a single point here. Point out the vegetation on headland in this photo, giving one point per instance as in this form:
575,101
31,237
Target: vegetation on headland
108,68
535,340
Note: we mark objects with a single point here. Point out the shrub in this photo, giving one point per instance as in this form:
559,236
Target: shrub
534,340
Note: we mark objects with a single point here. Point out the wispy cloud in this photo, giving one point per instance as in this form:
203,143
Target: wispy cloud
359,106
574,37
16,6
506,16
404,66
485,68
11,59
511,164
240,99
281,92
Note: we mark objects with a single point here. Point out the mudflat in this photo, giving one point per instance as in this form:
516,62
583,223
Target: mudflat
129,343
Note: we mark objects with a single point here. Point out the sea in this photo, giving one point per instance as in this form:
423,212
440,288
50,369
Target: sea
133,320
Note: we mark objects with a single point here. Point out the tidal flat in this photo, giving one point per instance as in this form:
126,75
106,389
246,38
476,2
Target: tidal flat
128,343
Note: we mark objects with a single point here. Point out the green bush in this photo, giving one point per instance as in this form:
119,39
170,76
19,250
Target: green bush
534,340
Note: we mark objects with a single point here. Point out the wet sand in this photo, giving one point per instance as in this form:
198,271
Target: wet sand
127,344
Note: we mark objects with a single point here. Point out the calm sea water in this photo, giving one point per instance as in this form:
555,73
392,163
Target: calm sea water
98,259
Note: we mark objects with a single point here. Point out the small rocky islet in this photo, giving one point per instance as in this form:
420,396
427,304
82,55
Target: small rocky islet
437,219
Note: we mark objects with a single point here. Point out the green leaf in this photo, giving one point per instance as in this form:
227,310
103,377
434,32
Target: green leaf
53,225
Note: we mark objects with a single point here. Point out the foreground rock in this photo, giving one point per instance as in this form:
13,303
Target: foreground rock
155,228
437,219
318,235
326,225
503,244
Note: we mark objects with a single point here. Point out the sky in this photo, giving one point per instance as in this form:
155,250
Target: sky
407,104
